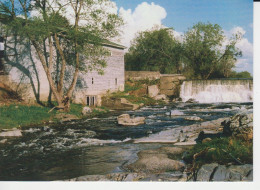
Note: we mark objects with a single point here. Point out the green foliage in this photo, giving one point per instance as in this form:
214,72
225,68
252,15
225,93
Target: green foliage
204,55
155,50
243,74
223,151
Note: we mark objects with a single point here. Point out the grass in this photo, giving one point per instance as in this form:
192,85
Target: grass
20,115
16,115
223,151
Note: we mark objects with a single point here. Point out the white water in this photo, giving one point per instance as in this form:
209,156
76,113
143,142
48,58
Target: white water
210,91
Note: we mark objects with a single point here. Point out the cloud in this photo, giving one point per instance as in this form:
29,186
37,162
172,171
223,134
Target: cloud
245,63
144,17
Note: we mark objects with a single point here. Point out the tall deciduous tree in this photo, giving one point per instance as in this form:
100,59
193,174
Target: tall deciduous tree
66,35
205,54
155,50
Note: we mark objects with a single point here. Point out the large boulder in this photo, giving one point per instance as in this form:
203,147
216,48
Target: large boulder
240,126
125,119
155,163
153,91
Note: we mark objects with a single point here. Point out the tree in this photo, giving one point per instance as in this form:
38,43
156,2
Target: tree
205,54
66,35
155,50
243,74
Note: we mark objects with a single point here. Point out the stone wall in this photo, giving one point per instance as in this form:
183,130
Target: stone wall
141,75
170,84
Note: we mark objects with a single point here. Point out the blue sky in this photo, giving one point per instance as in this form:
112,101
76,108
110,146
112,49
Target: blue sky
231,15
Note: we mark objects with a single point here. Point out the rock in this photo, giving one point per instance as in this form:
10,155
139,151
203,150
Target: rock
90,134
153,91
160,97
221,174
3,141
155,163
119,104
243,170
206,140
11,133
125,119
63,117
191,101
249,176
205,172
90,178
176,113
187,143
134,177
171,150
86,110
193,118
240,126
208,135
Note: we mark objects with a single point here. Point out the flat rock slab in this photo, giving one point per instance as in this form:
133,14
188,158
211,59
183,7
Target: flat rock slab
126,120
11,133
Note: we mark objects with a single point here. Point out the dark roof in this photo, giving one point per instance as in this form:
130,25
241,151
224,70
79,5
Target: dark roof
108,43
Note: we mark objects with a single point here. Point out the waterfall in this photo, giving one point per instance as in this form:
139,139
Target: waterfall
225,90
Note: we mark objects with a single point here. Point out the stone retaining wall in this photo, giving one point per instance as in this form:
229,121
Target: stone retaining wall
170,84
142,75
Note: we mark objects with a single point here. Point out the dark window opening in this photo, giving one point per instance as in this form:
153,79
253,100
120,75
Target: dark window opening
92,80
91,100
116,81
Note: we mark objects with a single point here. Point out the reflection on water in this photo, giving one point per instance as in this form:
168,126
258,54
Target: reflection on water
95,146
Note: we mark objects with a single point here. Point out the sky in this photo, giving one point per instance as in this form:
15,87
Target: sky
231,15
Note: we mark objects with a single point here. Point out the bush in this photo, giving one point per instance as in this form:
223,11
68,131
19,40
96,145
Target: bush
223,151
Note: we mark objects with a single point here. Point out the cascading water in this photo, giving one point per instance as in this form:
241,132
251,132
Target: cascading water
210,91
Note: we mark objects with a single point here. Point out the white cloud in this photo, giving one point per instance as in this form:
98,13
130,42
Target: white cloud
144,17
245,63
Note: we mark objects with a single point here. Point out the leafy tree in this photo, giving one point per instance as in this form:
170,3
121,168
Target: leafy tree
68,41
205,55
243,74
155,50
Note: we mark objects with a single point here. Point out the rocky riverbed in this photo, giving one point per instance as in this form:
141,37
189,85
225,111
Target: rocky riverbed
99,149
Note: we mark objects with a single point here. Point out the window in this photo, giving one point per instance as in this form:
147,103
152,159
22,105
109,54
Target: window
91,100
116,81
92,80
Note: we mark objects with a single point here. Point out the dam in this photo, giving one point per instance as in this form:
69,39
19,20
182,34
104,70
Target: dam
219,90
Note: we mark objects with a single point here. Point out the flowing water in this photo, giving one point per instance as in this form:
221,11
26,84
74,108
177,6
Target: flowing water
96,146
208,91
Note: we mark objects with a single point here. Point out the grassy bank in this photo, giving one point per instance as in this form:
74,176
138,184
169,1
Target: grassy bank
221,150
19,115
16,115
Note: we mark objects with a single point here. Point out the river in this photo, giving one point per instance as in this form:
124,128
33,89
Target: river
96,146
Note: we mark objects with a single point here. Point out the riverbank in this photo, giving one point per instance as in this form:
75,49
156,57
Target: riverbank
22,115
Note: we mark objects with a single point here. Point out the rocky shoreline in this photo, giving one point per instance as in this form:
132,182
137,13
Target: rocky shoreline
165,163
